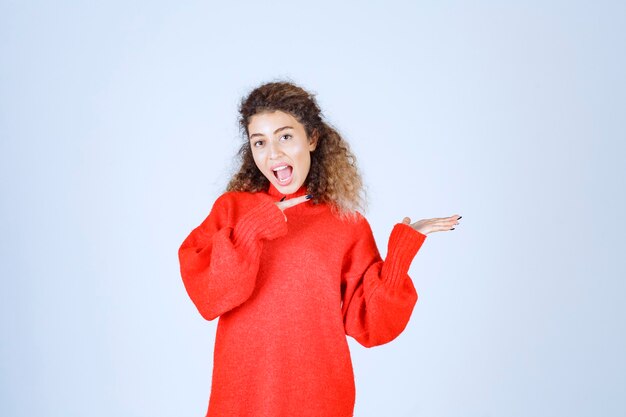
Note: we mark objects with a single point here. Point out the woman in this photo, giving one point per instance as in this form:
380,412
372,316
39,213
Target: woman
290,266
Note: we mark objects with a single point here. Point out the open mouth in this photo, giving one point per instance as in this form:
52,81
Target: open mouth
283,173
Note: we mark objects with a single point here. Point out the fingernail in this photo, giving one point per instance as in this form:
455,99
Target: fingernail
309,196
452,228
459,217
283,199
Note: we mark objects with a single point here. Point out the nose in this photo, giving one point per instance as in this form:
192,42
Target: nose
274,148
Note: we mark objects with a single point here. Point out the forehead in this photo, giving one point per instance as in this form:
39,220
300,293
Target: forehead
269,121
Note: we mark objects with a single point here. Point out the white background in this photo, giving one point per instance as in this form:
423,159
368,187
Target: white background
118,126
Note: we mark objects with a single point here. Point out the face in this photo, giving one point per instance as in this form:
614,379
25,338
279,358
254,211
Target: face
281,149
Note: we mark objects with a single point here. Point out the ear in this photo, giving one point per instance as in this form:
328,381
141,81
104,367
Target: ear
313,140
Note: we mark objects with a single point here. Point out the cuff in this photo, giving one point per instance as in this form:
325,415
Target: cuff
404,243
265,221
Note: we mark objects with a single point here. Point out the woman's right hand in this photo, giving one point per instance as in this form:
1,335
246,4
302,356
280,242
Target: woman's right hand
285,204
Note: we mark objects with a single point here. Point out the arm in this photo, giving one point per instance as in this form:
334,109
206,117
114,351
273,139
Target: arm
219,260
379,296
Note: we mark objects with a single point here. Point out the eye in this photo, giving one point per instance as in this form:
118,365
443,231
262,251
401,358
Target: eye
257,143
285,137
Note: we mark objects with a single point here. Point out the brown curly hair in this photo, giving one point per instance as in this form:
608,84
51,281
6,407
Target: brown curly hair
333,177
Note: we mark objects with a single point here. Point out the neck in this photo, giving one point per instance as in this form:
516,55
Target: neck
273,191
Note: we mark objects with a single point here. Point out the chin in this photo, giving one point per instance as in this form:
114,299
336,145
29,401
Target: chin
290,189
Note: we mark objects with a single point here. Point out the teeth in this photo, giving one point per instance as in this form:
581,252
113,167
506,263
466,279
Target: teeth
280,168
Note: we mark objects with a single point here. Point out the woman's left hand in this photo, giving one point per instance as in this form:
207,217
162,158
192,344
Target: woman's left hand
439,224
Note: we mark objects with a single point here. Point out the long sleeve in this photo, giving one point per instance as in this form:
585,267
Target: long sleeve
219,260
378,296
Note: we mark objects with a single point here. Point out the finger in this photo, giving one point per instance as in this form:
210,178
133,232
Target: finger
293,201
450,225
439,225
444,219
406,220
441,228
444,224
452,220
454,216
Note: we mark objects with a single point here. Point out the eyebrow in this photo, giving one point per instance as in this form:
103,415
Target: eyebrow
275,132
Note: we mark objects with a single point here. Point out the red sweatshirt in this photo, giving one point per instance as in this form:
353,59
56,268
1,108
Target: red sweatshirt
287,293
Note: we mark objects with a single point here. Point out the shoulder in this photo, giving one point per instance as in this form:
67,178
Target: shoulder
355,220
230,198
235,203
353,226
359,239
228,208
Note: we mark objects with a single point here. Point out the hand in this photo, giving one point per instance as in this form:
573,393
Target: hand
285,204
438,224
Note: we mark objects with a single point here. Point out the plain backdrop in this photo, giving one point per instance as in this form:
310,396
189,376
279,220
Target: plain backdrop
118,126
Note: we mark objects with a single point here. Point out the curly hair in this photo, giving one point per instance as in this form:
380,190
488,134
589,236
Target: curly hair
333,176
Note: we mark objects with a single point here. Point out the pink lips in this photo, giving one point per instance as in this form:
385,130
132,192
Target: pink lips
279,167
